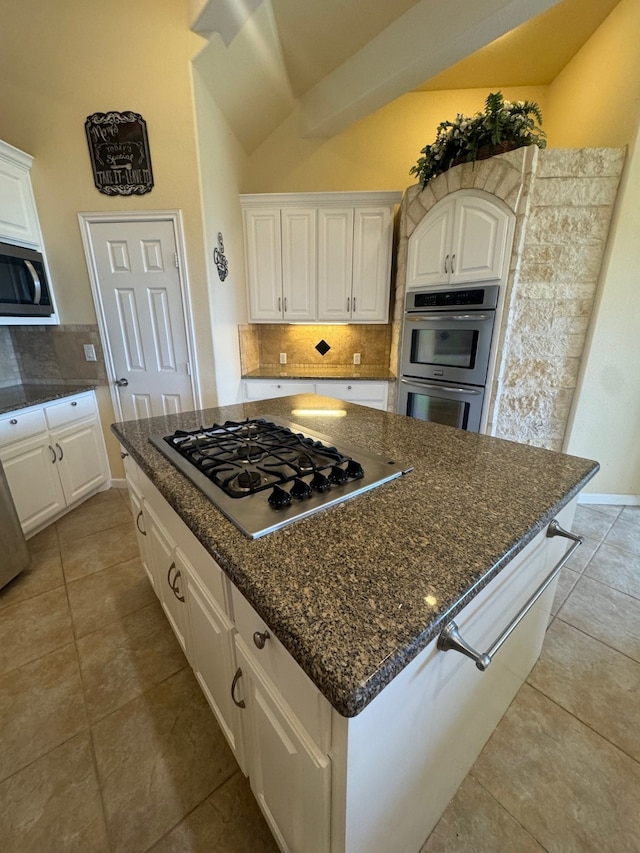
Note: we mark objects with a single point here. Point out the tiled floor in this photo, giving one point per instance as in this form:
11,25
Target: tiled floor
108,745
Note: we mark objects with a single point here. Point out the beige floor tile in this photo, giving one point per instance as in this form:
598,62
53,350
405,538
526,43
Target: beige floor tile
591,522
475,823
616,568
109,595
584,553
54,805
605,614
41,706
608,509
229,821
126,658
35,627
568,787
47,538
90,517
630,513
158,758
625,534
567,579
44,573
571,664
89,554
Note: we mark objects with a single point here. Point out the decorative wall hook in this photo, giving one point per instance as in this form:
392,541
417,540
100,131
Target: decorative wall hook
220,260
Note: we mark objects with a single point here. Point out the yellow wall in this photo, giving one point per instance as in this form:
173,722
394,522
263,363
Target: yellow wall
62,61
374,154
595,100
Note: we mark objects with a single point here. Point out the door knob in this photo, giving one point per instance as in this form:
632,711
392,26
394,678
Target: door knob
122,383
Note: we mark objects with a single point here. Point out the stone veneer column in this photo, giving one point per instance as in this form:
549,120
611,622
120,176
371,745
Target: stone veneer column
563,201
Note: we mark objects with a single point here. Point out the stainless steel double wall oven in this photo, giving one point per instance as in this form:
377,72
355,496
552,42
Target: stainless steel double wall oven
445,353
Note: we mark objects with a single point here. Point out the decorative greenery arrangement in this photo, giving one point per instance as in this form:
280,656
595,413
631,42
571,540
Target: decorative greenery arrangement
502,126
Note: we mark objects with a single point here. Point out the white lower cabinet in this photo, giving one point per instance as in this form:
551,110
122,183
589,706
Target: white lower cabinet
372,394
289,775
53,456
374,783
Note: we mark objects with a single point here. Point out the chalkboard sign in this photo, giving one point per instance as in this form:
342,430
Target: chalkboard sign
119,152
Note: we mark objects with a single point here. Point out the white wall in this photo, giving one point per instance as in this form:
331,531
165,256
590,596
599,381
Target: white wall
221,162
605,423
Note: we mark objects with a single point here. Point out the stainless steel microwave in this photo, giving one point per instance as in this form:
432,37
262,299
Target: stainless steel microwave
24,289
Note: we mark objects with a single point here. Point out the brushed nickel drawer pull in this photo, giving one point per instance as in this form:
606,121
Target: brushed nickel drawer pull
260,638
13,421
139,516
450,638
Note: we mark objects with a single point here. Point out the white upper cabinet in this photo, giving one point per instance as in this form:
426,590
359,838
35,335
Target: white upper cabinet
464,238
319,256
18,217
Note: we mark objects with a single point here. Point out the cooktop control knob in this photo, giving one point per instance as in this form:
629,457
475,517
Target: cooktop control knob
355,471
300,489
279,498
320,483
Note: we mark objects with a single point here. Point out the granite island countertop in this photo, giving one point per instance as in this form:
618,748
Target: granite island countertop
21,396
356,591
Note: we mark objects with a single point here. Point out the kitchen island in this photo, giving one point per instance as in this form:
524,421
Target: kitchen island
357,595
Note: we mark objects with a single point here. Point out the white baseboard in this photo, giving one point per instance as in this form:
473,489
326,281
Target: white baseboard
616,500
120,483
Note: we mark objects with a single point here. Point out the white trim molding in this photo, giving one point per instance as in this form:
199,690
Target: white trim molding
614,500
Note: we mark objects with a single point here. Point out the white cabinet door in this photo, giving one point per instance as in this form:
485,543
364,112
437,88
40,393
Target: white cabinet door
462,239
429,247
141,524
82,463
372,233
212,657
18,217
479,241
290,777
264,263
170,577
335,263
298,264
32,474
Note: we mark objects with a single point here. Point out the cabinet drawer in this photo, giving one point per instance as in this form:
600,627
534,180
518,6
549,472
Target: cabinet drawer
20,425
369,391
293,685
70,410
255,390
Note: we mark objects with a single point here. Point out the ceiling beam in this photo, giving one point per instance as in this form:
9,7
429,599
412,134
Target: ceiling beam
428,38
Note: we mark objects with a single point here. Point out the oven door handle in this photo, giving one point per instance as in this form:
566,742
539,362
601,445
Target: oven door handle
412,318
440,387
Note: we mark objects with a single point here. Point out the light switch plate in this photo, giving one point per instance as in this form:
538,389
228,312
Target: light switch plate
283,358
356,358
89,352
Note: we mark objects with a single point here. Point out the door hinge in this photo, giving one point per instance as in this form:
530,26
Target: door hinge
175,258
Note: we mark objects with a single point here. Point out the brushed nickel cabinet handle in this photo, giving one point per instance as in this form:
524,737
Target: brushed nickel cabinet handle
139,516
236,679
453,263
450,638
13,421
60,452
445,263
53,454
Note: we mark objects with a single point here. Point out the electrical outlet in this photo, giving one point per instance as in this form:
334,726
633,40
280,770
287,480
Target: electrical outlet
283,358
356,358
89,352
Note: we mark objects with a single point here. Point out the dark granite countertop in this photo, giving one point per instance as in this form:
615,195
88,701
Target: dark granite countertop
356,591
21,396
308,371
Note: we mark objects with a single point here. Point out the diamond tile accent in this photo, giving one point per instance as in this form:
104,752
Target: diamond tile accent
323,347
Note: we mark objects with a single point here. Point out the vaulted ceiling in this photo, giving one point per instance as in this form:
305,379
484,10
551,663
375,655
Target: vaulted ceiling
337,61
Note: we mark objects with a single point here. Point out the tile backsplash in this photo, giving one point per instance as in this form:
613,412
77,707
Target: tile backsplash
261,344
39,355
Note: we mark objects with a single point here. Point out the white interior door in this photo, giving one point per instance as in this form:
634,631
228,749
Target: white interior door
138,285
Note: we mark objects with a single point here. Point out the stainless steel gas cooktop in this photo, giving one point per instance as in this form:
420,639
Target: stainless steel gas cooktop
264,473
